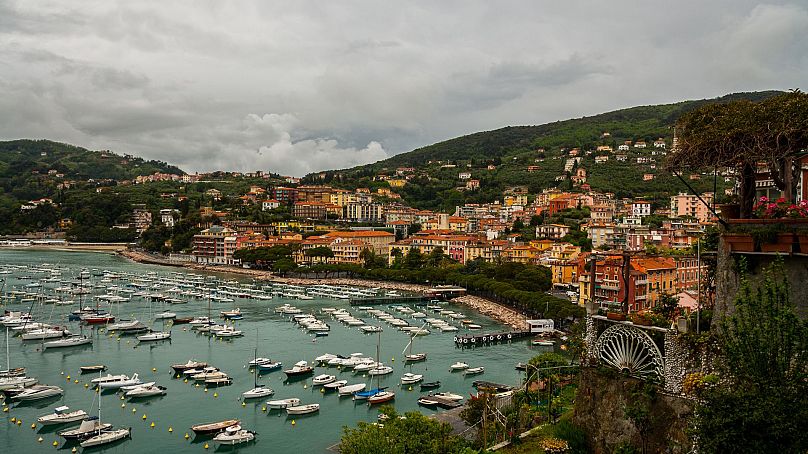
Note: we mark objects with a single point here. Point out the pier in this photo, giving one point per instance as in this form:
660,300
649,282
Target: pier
467,340
376,301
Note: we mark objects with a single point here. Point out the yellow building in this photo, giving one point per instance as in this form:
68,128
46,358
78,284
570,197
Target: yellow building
397,183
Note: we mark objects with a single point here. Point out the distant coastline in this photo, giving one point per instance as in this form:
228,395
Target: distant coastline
498,312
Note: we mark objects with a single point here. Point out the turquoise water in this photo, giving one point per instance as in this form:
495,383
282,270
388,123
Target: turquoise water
186,405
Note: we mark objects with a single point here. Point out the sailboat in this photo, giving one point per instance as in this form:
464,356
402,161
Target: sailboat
257,391
381,396
9,372
104,436
154,335
413,357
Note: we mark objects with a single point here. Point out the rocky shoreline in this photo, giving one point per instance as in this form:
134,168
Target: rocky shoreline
484,306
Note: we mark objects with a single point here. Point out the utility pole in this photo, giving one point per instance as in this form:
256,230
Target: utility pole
698,286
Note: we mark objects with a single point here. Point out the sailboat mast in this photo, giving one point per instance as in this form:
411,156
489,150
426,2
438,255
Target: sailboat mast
8,355
99,403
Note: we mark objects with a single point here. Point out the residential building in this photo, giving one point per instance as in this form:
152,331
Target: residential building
364,212
689,205
553,231
209,246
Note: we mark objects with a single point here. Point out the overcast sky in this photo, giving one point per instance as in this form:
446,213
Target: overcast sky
295,87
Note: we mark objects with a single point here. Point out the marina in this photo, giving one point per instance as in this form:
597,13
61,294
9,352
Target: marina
282,321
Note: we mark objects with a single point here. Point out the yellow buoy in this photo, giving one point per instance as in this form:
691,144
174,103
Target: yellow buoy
74,449
86,385
305,386
68,377
393,360
55,444
152,425
154,369
19,422
170,429
243,404
215,394
5,409
206,446
177,376
40,439
322,390
409,389
76,382
33,426
123,405
62,373
187,436
264,408
122,398
185,381
134,410
13,420
293,422
144,416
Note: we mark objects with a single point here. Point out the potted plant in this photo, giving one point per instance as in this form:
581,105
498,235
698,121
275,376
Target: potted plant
639,318
616,315
739,242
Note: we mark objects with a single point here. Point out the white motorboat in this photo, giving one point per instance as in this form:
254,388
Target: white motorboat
62,415
474,370
351,389
234,435
302,409
38,392
229,331
165,315
146,391
115,384
322,379
258,391
154,336
380,370
259,361
72,341
335,385
283,403
16,382
449,396
139,385
409,378
458,366
105,437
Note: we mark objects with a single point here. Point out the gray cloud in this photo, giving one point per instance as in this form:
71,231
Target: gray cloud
304,86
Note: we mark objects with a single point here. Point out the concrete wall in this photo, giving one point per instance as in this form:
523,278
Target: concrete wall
728,281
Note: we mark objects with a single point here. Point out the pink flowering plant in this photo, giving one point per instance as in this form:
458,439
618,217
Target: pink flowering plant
778,209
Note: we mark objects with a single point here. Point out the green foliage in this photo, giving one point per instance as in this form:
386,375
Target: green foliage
761,403
410,433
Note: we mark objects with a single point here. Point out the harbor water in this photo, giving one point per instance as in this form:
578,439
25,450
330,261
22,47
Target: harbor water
185,404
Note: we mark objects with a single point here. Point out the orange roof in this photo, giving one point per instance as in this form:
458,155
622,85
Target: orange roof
357,234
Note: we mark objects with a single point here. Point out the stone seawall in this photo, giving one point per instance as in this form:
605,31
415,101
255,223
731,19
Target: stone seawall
600,409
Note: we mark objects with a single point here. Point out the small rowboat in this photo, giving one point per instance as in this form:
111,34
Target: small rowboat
303,409
91,369
214,427
182,321
430,385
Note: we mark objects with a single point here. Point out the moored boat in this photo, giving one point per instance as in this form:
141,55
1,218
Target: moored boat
214,427
234,435
283,403
62,415
87,428
430,385
303,409
300,368
93,368
104,437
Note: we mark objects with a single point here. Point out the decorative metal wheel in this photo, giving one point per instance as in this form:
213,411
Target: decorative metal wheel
630,350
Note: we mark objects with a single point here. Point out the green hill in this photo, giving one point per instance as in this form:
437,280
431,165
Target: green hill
512,149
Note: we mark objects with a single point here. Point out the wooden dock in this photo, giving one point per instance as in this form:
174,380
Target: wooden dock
473,340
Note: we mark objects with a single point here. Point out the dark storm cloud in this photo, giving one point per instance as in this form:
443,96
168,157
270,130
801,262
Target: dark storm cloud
303,86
